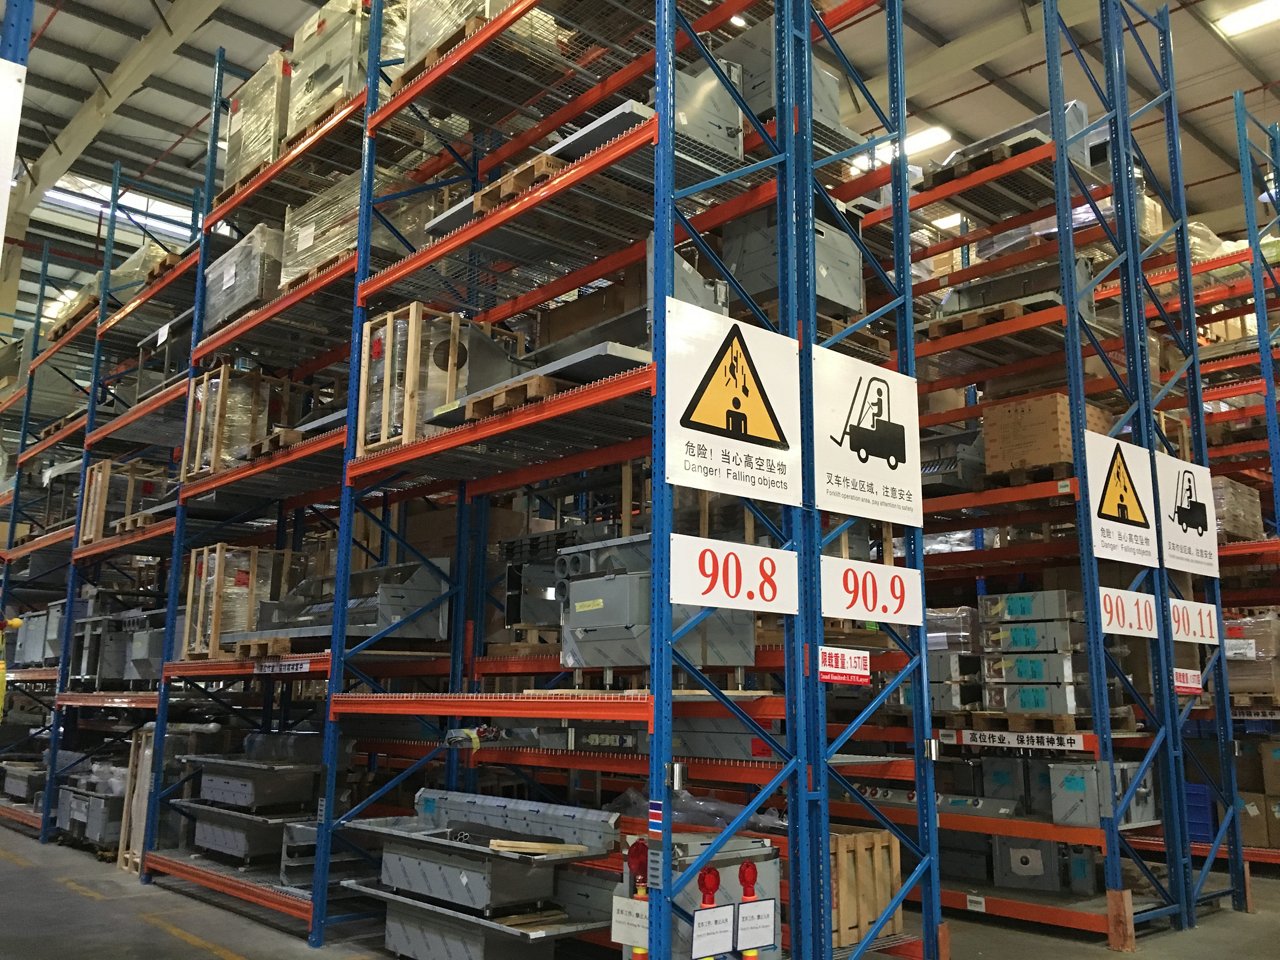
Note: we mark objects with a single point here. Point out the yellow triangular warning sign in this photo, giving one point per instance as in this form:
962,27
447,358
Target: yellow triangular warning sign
731,402
1120,501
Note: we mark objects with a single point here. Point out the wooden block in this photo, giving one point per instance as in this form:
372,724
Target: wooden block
534,848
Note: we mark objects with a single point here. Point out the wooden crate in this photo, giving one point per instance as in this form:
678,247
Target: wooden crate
380,434
97,496
261,571
866,871
208,446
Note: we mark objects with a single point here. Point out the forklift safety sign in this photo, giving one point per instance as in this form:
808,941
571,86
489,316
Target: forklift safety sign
866,442
1121,500
1190,522
733,407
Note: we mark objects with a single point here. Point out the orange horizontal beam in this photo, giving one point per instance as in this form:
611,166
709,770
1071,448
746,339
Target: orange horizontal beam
592,459
33,675
299,451
255,893
226,335
1011,908
285,160
17,394
1045,490
603,706
66,432
992,331
638,137
28,818
120,701
80,326
557,405
168,395
39,543
111,544
162,282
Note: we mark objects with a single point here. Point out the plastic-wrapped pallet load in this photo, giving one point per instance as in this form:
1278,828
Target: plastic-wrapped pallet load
324,228
329,54
1239,509
1254,638
245,277
243,421
256,126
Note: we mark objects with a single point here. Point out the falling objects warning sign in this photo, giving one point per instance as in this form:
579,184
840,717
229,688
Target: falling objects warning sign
733,406
1189,526
1121,501
866,442
730,403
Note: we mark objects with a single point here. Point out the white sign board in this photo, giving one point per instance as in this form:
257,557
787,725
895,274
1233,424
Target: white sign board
757,923
1187,683
733,406
1190,522
713,930
841,665
281,666
1127,613
717,573
1003,738
13,78
630,925
866,442
1121,501
1194,622
856,590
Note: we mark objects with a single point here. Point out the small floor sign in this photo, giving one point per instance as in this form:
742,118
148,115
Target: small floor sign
1121,500
733,406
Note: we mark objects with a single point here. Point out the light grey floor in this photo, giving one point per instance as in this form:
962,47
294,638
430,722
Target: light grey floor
60,904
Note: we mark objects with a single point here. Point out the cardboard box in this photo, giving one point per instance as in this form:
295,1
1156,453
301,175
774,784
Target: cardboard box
1269,760
623,296
1253,639
1273,822
1254,826
434,530
1034,432
1239,509
1253,676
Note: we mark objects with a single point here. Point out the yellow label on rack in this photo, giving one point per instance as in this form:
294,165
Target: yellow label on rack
2,690
582,606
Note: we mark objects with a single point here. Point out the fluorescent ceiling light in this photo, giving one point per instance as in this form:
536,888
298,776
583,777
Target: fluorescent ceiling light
1250,18
921,141
737,21
948,223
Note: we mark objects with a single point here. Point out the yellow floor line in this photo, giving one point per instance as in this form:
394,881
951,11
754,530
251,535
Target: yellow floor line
190,939
10,857
80,889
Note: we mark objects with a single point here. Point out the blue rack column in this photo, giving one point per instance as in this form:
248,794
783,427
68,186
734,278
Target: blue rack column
326,814
178,553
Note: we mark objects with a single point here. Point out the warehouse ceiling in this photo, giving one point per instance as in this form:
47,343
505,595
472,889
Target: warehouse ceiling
974,68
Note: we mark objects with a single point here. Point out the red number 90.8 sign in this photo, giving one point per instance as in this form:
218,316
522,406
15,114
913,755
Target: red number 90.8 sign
716,573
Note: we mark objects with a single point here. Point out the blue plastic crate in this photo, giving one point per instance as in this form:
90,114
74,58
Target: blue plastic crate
1202,813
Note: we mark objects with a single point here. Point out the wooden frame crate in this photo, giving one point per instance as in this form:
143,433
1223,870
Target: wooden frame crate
97,495
205,451
206,612
384,434
866,871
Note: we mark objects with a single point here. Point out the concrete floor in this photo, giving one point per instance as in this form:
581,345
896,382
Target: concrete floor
58,903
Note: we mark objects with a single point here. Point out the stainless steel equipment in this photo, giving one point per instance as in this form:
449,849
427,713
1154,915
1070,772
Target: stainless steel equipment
245,277
1045,636
953,462
380,598
1027,864
1081,799
751,253
447,890
1034,131
605,596
88,814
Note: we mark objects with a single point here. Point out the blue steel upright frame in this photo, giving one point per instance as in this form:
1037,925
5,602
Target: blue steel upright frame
805,771
120,184
1259,146
1125,25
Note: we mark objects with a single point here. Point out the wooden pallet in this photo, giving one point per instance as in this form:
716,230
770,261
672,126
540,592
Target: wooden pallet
862,342
412,71
135,521
866,873
989,720
276,440
229,192
315,124
259,649
165,264
314,272
535,171
64,326
54,427
947,326
1255,701
962,168
513,395
1025,475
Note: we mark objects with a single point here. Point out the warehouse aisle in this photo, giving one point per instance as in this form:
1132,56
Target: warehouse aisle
57,902
116,918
